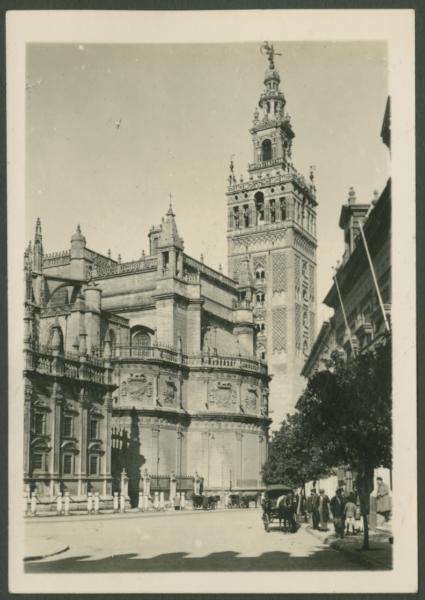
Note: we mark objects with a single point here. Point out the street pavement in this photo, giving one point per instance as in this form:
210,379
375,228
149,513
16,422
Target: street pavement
232,540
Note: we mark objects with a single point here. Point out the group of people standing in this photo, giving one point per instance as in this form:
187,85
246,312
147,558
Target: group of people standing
343,510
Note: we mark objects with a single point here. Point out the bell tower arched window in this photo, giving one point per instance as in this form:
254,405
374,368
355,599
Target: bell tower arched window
266,150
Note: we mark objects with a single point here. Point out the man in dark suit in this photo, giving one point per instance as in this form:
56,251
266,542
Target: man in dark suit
338,512
313,508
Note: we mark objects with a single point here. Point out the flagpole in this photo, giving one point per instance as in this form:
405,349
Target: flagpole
343,312
375,281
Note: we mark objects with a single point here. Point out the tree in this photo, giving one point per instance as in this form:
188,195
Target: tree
293,457
346,409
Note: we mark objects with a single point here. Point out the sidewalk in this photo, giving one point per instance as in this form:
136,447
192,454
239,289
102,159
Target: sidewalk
378,557
132,513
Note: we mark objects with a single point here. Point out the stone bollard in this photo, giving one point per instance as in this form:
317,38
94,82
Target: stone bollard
89,503
182,501
122,503
96,503
156,501
116,502
67,504
33,509
140,506
59,508
145,502
161,501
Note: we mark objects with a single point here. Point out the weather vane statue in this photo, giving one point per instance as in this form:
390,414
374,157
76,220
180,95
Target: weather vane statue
268,49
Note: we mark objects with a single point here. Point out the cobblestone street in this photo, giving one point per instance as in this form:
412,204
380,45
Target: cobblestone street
232,540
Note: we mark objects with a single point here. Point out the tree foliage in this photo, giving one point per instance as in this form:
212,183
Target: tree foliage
293,457
346,409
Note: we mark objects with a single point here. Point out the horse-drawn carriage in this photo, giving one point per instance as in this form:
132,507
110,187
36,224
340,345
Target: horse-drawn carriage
279,504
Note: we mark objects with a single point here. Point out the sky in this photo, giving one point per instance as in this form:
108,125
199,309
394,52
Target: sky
113,130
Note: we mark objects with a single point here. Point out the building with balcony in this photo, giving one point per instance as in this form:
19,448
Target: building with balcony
148,366
272,228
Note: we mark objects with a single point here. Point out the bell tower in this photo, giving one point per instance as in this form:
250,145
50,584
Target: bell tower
272,223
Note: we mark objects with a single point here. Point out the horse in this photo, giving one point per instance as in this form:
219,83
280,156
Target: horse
286,513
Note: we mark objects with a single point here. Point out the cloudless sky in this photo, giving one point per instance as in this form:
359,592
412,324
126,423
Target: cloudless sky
183,110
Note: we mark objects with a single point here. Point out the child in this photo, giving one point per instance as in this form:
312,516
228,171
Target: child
359,520
350,513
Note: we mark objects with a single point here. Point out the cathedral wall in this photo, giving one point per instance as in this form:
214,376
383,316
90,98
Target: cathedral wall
217,294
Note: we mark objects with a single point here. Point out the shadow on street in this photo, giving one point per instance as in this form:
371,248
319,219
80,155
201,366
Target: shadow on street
181,561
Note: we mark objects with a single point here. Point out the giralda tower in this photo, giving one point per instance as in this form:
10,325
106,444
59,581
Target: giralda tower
272,245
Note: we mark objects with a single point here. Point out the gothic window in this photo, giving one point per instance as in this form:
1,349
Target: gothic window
141,338
165,261
259,206
262,327
272,211
236,216
39,423
282,209
67,464
246,215
260,299
266,150
38,461
304,269
94,428
67,426
94,464
263,355
260,274
305,319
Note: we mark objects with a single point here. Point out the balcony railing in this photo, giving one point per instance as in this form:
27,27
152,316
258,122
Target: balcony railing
202,360
70,366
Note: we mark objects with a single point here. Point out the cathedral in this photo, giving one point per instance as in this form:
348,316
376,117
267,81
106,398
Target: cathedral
162,367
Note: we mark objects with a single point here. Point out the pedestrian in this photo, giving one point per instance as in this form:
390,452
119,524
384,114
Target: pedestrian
383,503
323,510
313,508
359,519
350,515
337,508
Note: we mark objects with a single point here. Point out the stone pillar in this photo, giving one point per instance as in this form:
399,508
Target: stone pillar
161,501
173,487
67,504
55,453
239,456
92,295
89,503
106,441
28,387
124,484
182,500
156,501
59,504
205,436
96,503
82,475
116,502
193,341
146,484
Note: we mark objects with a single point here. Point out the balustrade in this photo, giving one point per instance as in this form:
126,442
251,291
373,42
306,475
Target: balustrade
158,353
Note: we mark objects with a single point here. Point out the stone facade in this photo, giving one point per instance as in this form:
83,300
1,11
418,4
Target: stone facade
148,365
272,246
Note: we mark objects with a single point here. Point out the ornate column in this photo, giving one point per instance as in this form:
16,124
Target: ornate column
28,391
55,457
205,444
106,439
82,439
155,452
239,456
